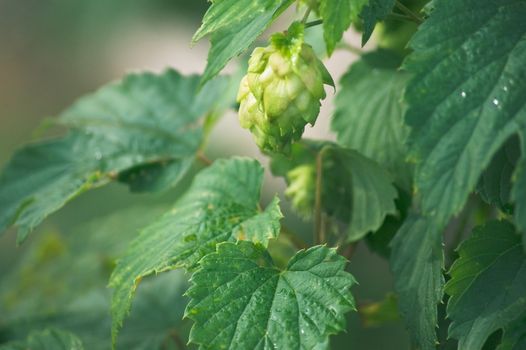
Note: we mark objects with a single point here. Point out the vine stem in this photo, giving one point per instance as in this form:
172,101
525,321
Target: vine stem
319,222
416,18
306,16
313,23
350,48
203,158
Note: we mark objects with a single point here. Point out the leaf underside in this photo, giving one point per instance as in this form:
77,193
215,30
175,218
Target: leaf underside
144,130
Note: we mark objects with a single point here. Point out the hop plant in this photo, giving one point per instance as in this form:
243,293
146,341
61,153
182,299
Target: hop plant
282,90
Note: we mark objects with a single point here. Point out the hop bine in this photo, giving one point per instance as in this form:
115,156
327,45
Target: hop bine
282,90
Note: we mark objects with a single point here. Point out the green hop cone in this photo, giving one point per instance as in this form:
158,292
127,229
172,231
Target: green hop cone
301,189
282,90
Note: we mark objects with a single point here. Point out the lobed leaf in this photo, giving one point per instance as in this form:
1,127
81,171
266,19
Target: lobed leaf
221,205
487,285
240,299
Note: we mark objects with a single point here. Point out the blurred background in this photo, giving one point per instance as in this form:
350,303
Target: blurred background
54,51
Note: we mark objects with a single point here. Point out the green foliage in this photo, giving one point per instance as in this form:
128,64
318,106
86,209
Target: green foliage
48,339
487,285
45,289
233,25
466,96
417,261
369,112
416,137
354,189
239,298
118,132
374,11
495,182
221,205
337,17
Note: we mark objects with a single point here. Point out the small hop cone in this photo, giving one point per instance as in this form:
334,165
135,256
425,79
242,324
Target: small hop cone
282,90
301,188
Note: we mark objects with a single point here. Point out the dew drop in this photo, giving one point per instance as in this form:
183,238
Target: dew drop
302,331
505,88
496,102
463,94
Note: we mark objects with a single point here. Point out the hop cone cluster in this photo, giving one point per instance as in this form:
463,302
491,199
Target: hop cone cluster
282,90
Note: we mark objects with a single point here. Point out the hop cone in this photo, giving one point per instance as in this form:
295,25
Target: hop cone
282,90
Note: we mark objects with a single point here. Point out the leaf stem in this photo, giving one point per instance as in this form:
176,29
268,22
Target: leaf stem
400,17
313,23
203,158
306,15
405,10
319,232
350,48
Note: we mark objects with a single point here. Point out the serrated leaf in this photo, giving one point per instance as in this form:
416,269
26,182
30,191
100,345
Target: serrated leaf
417,261
373,12
118,132
369,112
518,194
239,298
233,25
495,183
221,205
514,337
49,339
337,16
373,194
487,285
356,190
467,95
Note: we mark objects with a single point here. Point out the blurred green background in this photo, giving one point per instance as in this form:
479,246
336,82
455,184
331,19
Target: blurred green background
52,52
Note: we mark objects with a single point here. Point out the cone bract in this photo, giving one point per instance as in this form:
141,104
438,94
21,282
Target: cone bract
282,90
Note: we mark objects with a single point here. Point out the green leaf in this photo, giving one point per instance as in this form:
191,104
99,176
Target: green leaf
373,12
373,194
417,261
356,190
239,298
221,205
45,288
495,183
233,25
518,194
467,95
49,339
369,112
514,337
144,130
487,285
337,16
